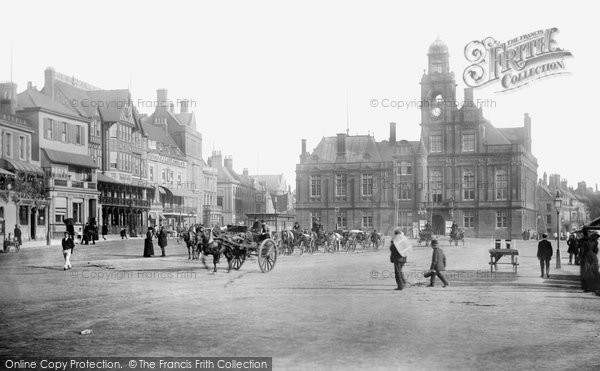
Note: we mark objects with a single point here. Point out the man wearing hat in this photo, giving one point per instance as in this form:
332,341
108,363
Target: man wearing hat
544,254
399,249
438,264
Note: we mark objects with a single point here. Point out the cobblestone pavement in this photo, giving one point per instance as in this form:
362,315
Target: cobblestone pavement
333,311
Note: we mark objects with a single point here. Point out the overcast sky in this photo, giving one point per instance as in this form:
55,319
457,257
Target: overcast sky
264,74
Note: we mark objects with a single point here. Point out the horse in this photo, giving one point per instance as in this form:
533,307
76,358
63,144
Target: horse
334,241
190,240
215,247
287,239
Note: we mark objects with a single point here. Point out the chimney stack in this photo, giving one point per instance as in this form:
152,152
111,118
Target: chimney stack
228,162
216,160
303,147
8,97
162,100
184,106
392,133
245,172
341,144
49,78
172,106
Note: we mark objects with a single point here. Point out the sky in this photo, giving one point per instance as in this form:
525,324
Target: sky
262,75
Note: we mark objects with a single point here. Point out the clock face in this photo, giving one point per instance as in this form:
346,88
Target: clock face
436,112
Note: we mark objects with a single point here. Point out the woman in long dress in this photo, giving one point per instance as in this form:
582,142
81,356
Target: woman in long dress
148,245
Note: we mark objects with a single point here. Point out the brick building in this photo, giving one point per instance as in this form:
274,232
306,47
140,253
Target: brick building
462,169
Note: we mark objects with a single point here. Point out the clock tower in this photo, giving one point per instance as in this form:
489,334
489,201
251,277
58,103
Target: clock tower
438,87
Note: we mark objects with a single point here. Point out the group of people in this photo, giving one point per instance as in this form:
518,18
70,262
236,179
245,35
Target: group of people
582,251
400,248
161,236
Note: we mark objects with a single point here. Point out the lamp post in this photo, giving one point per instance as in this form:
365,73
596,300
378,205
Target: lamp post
557,205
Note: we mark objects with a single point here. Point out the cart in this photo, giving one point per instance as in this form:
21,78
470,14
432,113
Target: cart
242,243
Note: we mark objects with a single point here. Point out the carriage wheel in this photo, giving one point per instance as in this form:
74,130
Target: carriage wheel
267,255
238,259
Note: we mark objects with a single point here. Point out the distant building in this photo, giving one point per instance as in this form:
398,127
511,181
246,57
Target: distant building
182,128
23,196
573,213
236,194
280,192
462,169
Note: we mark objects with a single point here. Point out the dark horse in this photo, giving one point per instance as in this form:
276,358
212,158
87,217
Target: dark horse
215,246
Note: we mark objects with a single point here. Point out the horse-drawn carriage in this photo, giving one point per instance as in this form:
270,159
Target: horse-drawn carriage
10,242
457,235
237,243
425,235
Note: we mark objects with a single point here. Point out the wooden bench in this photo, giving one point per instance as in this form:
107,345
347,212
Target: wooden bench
497,254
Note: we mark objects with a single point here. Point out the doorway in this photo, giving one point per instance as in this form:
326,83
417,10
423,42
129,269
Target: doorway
438,225
33,223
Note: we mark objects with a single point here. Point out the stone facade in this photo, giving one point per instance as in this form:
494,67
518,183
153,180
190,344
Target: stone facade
462,169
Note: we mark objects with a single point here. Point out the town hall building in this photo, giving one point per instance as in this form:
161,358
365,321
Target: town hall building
462,169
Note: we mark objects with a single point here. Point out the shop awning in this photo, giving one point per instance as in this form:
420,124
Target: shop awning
67,158
164,190
183,193
156,215
5,172
17,165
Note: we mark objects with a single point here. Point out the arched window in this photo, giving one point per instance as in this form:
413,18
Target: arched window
501,185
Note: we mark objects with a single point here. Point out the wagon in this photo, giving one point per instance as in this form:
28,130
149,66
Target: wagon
458,235
425,236
242,243
11,242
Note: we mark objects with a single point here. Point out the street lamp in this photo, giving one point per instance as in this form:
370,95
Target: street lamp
557,205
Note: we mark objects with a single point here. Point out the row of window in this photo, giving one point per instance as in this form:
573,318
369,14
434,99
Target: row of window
405,219
64,132
435,181
467,143
8,146
127,162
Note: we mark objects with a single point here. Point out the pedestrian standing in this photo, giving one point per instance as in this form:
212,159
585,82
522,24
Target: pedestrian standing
573,249
67,246
544,254
104,231
162,240
399,248
148,245
85,240
438,265
17,233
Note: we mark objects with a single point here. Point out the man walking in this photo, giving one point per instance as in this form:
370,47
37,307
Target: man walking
67,246
544,254
399,248
438,265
